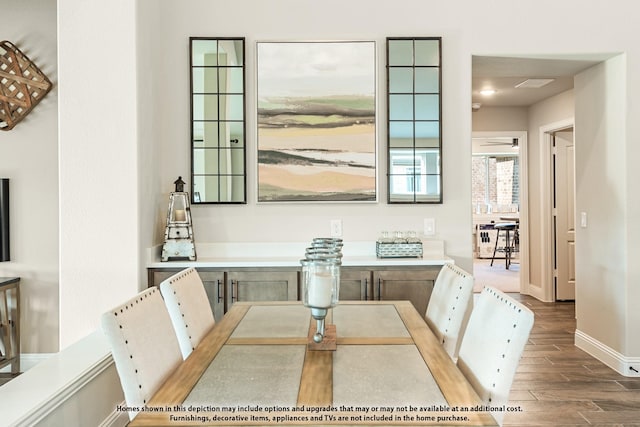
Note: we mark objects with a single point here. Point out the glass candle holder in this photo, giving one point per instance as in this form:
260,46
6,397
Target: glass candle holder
320,286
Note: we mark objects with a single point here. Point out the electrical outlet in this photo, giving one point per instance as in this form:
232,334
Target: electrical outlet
429,226
336,228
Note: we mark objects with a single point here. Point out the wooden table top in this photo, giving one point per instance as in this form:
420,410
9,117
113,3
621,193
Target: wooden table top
254,368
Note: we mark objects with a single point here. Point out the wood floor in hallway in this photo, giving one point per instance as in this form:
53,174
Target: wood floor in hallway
559,385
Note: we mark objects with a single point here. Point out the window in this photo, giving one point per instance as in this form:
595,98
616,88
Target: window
495,183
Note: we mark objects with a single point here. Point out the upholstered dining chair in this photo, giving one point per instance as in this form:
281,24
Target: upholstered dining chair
188,307
143,345
492,345
450,306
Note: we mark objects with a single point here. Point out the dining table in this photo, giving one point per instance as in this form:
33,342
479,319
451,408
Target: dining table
259,366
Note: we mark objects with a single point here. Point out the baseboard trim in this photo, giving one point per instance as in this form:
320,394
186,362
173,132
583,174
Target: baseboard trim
537,292
627,366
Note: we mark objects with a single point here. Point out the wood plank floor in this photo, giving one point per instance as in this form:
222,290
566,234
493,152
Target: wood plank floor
559,385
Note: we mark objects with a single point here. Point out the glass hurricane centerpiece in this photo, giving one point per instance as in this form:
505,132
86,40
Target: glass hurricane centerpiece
321,283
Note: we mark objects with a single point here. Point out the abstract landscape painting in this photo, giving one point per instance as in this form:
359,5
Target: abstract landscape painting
316,121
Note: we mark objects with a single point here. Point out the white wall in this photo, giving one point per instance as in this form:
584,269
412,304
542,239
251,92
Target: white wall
153,191
29,158
601,192
100,264
492,119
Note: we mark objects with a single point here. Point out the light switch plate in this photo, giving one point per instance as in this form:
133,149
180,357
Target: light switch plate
336,228
429,226
583,219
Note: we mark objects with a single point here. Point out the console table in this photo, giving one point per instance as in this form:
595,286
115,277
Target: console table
10,323
271,272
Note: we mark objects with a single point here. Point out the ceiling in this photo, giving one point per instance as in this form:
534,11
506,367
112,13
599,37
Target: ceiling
504,73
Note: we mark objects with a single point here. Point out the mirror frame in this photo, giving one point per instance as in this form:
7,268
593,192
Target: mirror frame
198,197
412,195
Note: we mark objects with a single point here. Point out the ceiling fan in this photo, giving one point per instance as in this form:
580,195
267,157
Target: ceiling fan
513,143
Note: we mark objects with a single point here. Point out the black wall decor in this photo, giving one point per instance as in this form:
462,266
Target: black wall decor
4,219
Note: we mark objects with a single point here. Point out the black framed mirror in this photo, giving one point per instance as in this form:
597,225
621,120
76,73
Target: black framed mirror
218,111
414,101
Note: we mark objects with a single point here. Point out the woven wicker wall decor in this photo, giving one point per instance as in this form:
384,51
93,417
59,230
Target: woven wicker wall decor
22,85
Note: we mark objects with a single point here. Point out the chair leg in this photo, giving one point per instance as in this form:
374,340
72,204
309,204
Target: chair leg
507,251
495,248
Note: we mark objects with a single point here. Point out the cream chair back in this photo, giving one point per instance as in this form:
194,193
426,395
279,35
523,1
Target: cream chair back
188,307
450,306
143,344
492,345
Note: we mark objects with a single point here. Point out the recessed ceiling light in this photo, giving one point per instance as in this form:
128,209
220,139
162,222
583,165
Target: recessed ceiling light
488,92
533,83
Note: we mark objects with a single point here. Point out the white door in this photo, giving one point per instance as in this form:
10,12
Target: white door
565,230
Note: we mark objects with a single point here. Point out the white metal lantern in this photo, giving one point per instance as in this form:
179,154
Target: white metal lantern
178,235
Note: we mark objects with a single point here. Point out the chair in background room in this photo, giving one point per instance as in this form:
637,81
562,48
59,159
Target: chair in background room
188,307
143,344
492,345
450,306
511,242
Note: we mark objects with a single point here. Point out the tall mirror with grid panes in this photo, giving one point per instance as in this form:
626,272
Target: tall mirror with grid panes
414,119
218,154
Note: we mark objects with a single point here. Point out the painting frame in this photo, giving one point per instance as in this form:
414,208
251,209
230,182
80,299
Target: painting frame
316,133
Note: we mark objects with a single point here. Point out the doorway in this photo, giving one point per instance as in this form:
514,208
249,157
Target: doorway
499,196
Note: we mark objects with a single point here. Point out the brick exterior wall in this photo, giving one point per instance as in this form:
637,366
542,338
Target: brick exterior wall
501,175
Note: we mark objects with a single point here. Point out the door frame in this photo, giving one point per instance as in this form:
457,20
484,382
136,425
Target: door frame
523,228
562,254
546,292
